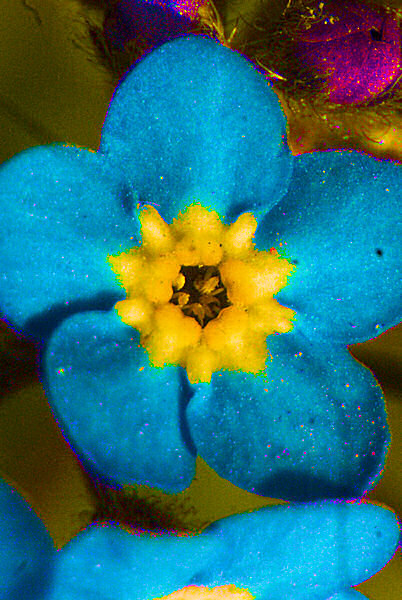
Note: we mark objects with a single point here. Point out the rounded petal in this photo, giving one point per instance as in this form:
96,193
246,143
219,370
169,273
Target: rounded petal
349,594
320,549
107,562
122,416
340,224
313,425
304,552
195,121
26,549
61,215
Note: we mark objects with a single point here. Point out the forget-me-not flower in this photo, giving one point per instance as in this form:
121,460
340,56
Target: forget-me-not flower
169,329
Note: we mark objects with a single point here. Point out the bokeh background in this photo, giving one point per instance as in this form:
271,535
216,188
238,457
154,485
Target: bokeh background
53,87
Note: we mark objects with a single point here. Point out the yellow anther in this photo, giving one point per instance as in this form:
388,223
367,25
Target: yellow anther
207,286
179,282
182,298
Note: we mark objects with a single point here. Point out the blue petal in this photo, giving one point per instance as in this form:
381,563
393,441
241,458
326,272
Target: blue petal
340,223
196,121
348,595
122,416
26,549
106,562
302,552
61,216
312,426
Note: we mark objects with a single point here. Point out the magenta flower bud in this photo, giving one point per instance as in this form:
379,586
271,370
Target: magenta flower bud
354,48
153,22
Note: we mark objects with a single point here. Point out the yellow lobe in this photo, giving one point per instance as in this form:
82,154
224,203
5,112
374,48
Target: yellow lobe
157,283
248,281
198,251
270,317
201,362
227,330
156,235
137,312
199,236
238,237
196,220
211,252
130,267
171,335
238,347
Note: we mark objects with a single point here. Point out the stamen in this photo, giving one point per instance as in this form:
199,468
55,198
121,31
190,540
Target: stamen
202,296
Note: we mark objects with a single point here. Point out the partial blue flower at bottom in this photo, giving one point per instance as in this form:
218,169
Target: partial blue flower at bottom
196,123
321,551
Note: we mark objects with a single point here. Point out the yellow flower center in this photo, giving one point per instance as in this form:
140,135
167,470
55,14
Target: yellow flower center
223,592
200,294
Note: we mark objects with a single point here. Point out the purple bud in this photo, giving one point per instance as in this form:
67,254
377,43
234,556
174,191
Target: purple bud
355,49
153,22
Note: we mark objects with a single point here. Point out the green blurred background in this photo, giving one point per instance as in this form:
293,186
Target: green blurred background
54,88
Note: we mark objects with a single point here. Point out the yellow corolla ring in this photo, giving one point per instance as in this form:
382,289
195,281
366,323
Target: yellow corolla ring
223,592
200,294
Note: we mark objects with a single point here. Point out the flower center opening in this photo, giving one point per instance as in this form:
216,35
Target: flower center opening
200,294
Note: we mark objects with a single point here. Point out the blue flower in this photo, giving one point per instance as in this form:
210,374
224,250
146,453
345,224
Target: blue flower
194,124
355,541
26,549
